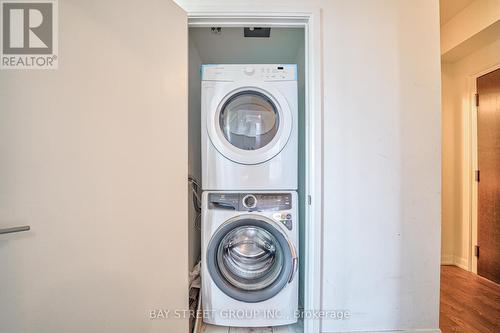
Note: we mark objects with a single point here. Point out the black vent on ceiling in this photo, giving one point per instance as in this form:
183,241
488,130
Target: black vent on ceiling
257,32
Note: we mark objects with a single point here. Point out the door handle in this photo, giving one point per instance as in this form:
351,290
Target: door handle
14,229
295,261
294,269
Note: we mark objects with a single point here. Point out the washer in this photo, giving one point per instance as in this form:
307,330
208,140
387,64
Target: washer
250,258
249,127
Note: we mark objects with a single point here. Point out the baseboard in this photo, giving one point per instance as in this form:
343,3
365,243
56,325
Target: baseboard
461,262
449,259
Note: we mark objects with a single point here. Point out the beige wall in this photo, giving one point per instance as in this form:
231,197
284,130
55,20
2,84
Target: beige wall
451,168
476,17
456,78
93,156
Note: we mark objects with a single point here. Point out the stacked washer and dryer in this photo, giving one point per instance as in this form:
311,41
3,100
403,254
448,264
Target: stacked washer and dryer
249,203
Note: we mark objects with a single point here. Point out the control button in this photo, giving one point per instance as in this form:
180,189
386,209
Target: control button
288,216
249,201
249,70
288,224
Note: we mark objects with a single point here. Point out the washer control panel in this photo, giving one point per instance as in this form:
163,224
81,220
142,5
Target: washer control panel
278,72
284,218
250,202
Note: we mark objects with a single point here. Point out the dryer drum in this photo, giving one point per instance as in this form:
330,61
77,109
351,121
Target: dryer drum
249,120
249,259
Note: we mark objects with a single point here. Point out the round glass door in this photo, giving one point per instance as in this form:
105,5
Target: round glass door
249,120
249,259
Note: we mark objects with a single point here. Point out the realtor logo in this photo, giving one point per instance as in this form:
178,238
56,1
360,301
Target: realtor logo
29,34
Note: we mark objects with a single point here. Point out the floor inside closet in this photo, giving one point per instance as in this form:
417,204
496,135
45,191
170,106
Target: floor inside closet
278,329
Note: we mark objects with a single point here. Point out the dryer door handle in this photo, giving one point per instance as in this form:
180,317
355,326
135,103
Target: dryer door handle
295,262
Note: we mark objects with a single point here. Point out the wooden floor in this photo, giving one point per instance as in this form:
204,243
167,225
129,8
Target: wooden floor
469,303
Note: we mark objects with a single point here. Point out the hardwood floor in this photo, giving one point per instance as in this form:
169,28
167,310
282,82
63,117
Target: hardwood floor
469,303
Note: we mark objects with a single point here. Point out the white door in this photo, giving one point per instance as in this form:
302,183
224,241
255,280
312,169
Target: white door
86,160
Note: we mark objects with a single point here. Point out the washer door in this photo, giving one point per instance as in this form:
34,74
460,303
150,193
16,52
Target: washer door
250,259
250,125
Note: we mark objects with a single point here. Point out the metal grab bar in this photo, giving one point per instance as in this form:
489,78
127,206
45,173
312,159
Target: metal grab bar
14,229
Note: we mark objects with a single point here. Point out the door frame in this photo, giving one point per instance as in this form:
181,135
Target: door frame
310,20
470,186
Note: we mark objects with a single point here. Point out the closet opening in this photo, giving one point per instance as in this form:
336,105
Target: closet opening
283,50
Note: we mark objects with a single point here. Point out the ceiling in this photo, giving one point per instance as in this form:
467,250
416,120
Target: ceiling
231,47
449,8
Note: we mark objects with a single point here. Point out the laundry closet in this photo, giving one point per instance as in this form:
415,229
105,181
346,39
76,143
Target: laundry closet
273,145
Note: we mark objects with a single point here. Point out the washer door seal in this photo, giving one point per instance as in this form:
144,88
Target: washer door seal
250,292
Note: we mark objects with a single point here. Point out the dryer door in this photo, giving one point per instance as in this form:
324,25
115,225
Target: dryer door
250,259
250,125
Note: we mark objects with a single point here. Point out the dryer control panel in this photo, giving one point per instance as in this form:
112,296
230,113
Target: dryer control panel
278,72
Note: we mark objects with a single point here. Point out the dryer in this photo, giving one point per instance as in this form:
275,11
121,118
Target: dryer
249,124
250,258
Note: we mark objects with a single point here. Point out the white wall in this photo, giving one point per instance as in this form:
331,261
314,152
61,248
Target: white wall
381,168
381,75
94,157
382,164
